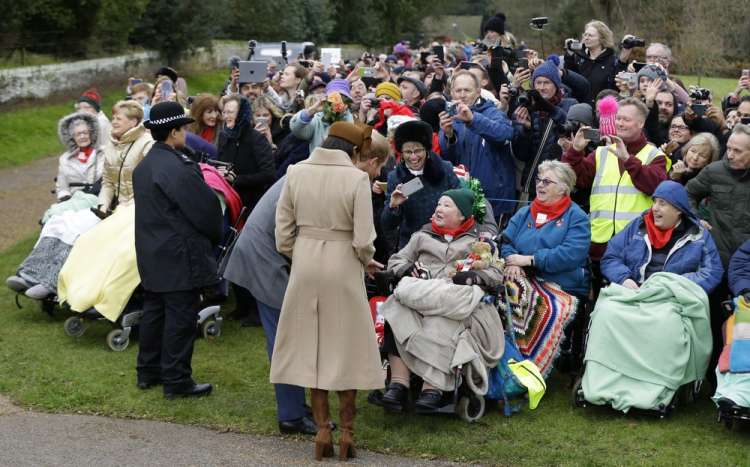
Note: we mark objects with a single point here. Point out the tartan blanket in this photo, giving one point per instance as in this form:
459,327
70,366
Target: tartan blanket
540,312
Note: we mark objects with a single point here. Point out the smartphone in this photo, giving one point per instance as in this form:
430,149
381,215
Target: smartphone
699,109
439,52
367,72
523,63
412,186
746,73
166,88
630,78
592,134
638,65
423,56
262,121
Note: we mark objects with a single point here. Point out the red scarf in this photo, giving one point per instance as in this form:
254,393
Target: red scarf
208,134
84,154
443,231
658,237
550,211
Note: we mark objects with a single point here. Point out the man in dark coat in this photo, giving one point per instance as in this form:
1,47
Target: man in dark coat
178,222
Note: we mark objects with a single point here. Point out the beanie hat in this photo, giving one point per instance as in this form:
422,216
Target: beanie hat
430,112
400,49
340,86
651,72
389,89
91,97
548,70
415,131
676,195
417,84
607,109
496,23
464,199
581,113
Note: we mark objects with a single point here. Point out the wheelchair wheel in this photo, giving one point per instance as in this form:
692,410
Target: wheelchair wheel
210,329
470,408
117,341
74,326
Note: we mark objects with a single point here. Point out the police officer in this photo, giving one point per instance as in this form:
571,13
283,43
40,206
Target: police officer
178,222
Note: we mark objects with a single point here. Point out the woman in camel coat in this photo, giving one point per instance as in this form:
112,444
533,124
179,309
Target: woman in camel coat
324,223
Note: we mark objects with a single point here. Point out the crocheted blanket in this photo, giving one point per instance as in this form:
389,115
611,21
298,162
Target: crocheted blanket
540,312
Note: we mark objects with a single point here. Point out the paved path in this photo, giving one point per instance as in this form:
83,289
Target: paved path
24,196
41,439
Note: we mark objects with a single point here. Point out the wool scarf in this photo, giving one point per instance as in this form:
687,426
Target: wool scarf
658,237
546,212
453,233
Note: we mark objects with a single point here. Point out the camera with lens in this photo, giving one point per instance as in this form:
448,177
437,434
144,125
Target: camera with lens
632,42
480,47
700,94
520,96
570,127
573,45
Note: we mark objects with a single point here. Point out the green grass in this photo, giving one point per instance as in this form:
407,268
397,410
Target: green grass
42,368
30,132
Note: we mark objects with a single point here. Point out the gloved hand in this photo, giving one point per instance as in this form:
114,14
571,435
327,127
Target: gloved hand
467,278
538,103
100,214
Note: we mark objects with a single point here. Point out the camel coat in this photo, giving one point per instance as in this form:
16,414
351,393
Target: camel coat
324,223
120,159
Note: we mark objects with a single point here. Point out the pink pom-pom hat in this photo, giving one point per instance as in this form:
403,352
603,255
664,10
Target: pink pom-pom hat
607,109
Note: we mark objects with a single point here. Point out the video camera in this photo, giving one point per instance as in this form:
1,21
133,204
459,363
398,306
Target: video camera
632,42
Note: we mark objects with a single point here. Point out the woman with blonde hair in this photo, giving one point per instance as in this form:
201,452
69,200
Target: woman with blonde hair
701,150
596,59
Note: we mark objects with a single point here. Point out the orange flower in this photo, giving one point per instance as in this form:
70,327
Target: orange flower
337,102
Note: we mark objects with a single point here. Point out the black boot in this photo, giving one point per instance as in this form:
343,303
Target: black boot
395,397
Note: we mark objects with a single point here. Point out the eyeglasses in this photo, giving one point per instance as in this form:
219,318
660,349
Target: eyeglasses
678,127
657,58
81,133
545,181
416,152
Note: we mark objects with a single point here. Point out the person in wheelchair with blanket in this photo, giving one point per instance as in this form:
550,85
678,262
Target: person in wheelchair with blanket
436,319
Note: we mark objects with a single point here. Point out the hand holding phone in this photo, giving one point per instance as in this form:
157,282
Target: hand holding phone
411,187
592,134
699,109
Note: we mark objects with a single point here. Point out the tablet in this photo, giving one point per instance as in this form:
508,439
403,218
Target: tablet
253,72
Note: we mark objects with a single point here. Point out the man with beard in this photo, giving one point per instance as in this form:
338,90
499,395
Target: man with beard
662,106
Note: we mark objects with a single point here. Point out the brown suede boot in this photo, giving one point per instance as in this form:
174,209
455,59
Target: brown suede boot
322,416
347,411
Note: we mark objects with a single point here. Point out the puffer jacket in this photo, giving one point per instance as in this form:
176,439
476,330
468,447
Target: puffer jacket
484,149
70,169
439,255
728,194
694,256
120,159
739,270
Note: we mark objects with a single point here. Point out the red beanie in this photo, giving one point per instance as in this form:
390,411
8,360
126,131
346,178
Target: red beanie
91,97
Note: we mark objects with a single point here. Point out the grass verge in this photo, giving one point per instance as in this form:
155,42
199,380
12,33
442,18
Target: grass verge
42,368
30,132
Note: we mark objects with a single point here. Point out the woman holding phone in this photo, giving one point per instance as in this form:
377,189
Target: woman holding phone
267,120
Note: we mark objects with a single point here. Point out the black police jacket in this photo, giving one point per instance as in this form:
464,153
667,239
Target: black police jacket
178,222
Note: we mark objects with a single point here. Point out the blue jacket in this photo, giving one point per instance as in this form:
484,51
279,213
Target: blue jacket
416,211
483,148
739,270
693,256
560,247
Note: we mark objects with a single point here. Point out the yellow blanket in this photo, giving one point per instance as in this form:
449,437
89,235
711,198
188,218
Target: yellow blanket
101,270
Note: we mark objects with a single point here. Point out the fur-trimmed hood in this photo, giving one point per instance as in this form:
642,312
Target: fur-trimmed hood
65,134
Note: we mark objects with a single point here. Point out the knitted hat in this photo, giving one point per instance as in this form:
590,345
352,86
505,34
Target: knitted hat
389,89
581,113
418,84
430,111
464,199
651,72
548,70
348,132
607,110
496,23
338,85
415,131
91,97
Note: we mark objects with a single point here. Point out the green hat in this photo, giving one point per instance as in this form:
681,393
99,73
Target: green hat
464,199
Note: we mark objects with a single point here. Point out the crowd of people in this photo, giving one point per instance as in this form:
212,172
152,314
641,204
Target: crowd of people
586,168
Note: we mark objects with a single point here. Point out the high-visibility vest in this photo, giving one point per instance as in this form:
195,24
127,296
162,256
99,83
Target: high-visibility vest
615,201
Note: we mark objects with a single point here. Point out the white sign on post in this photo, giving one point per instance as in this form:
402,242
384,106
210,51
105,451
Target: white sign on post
330,56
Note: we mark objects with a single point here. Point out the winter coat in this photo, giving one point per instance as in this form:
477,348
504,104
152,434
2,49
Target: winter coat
254,263
252,157
120,159
484,149
439,256
325,338
417,210
694,256
728,193
313,129
178,222
739,270
560,248
105,127
600,72
526,142
70,169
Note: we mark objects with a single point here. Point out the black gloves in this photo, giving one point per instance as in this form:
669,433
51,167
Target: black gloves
467,278
539,103
101,214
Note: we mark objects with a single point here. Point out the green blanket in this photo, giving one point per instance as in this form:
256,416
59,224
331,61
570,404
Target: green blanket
644,344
